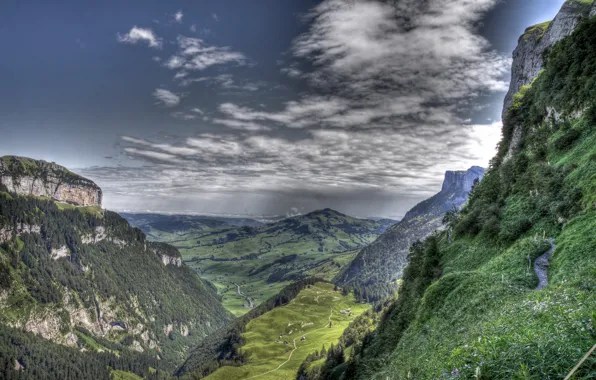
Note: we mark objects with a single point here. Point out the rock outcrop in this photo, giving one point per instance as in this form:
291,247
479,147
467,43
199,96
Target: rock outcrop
462,181
7,231
528,57
24,176
167,254
383,261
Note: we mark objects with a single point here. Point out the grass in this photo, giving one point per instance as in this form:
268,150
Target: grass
490,318
91,343
93,210
307,315
323,251
483,318
122,375
537,30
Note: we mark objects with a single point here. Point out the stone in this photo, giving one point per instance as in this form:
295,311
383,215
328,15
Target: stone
24,176
528,56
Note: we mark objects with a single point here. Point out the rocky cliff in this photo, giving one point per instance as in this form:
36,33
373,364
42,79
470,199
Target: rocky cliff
24,176
463,180
79,275
382,262
528,57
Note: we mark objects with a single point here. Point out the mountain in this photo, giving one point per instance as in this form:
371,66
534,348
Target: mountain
178,224
381,263
25,176
528,57
82,277
249,264
509,290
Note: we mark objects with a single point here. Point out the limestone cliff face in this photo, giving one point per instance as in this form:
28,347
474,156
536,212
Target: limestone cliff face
454,193
462,181
25,176
166,253
384,260
528,57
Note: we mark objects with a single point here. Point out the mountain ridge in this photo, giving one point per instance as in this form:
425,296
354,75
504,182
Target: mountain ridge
25,176
78,276
380,264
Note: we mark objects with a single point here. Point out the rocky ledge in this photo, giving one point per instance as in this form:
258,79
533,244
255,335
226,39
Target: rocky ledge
528,57
25,176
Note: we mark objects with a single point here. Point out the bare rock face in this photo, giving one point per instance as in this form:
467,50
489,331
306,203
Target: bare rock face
167,254
528,56
169,260
462,181
6,232
60,252
25,176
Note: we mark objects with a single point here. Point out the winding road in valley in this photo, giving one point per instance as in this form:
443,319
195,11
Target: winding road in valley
250,304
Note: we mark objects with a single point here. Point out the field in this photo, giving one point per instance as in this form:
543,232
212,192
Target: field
269,357
248,264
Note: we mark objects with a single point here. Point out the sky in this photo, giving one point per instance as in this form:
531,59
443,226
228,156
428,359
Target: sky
260,107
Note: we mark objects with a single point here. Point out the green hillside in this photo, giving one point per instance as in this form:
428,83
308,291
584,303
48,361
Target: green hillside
472,308
83,278
273,345
256,262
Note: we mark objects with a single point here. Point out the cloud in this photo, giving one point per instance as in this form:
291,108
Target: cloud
241,125
195,54
391,90
215,17
166,97
183,115
178,16
292,72
390,65
323,165
140,34
224,81
193,28
197,110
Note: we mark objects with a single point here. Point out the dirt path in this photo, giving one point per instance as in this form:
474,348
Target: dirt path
292,352
541,265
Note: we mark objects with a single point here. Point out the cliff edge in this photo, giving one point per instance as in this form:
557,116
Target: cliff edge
25,176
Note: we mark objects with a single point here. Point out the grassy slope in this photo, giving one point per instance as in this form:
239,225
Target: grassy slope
483,317
313,305
323,243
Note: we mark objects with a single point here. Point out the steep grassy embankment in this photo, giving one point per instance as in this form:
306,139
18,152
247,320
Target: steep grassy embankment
470,308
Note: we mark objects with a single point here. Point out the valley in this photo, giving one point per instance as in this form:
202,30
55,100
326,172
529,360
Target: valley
274,342
250,263
492,277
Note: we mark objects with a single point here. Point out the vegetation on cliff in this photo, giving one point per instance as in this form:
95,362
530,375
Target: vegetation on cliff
470,307
74,277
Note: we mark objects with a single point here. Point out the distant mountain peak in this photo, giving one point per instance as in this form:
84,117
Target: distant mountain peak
326,211
26,176
462,181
